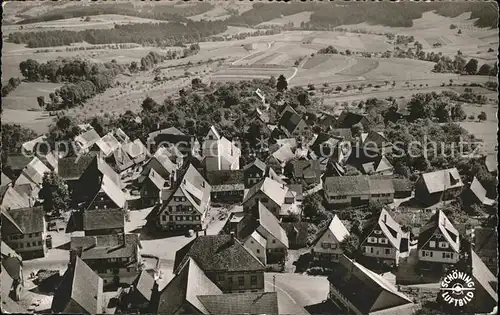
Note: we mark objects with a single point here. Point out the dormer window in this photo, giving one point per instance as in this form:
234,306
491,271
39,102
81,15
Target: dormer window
203,184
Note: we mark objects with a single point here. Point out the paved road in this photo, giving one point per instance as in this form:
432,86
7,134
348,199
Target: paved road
297,289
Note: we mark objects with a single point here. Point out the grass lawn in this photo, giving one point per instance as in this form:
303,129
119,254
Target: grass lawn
361,67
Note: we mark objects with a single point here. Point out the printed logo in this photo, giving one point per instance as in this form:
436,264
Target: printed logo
457,288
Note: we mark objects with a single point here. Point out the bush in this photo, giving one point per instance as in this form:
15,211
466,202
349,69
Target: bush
472,117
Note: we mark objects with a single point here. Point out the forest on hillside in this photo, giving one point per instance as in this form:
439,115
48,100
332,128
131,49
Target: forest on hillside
161,34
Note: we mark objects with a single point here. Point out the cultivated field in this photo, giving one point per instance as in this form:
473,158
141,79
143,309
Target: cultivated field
260,57
78,24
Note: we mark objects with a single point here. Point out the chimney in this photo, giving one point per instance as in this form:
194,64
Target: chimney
196,233
205,232
232,237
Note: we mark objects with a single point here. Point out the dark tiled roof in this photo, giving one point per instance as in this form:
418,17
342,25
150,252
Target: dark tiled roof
347,185
348,119
485,239
241,303
218,252
289,121
402,184
368,291
226,177
257,163
72,168
186,286
103,219
145,284
30,220
17,161
106,246
82,285
307,169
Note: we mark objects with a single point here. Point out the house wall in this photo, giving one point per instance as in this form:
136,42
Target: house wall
36,241
438,256
228,281
227,196
377,245
275,250
150,194
256,248
301,129
180,214
102,201
327,246
104,231
345,200
252,176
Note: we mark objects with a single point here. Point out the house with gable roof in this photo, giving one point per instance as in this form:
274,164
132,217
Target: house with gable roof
291,124
326,246
187,144
219,153
485,245
264,236
25,231
12,198
278,159
85,142
115,258
81,291
381,238
121,136
276,197
163,166
141,294
342,191
151,187
32,176
355,289
381,166
255,171
433,187
485,299
184,205
304,172
136,151
108,144
438,243
227,186
11,274
225,261
109,194
477,194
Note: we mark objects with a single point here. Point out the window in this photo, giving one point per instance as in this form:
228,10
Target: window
258,251
21,245
40,243
387,251
432,244
383,240
27,244
197,217
164,218
371,250
324,245
171,218
178,217
230,280
221,278
274,241
241,281
169,208
372,240
253,280
29,235
377,232
33,244
333,246
443,245
448,255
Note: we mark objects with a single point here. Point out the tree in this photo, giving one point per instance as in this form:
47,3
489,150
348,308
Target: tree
272,81
303,99
282,84
55,193
482,116
458,113
196,83
133,66
41,101
311,205
30,69
459,31
484,69
471,66
350,245
13,137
